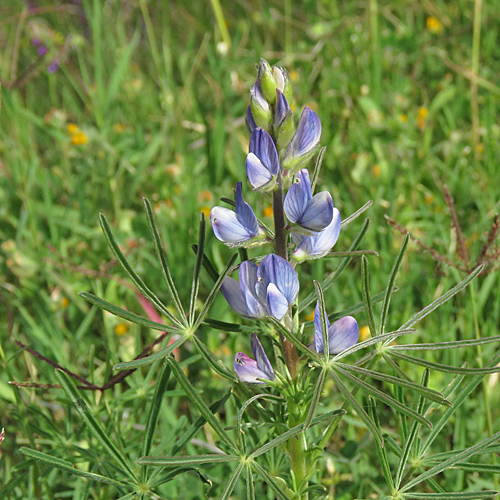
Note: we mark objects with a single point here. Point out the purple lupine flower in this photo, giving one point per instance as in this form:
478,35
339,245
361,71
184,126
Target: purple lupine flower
238,227
251,370
283,109
262,162
312,213
264,290
342,334
283,121
305,140
318,245
53,66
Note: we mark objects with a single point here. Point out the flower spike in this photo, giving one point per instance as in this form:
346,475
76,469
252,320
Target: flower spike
236,228
262,162
253,371
342,334
312,213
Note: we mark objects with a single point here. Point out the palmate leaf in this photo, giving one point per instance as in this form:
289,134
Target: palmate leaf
213,458
232,481
271,482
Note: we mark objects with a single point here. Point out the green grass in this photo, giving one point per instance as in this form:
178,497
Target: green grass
161,105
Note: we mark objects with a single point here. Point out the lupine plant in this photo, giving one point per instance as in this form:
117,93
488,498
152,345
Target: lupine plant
278,391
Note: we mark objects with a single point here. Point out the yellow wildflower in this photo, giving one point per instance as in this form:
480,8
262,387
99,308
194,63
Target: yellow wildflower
364,333
434,25
121,328
421,117
118,128
65,302
428,198
205,195
268,211
206,211
403,118
310,315
73,128
377,171
78,139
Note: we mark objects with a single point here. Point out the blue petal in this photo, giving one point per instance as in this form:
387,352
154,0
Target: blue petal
234,296
275,269
276,301
298,196
248,280
249,120
258,175
247,370
318,245
262,145
318,337
256,95
283,109
308,132
342,334
244,213
228,228
260,356
318,213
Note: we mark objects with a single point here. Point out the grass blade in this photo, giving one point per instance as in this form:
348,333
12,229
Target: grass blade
59,463
94,426
391,282
132,274
469,495
160,253
195,398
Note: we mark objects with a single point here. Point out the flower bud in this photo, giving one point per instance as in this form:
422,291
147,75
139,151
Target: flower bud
283,121
261,111
267,81
282,80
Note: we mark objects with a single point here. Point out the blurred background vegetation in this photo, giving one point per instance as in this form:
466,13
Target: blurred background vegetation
107,102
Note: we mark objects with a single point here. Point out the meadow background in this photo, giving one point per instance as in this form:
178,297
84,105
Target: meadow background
107,102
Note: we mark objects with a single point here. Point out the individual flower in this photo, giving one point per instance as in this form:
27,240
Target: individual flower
264,290
342,334
303,210
318,245
238,227
262,162
253,371
305,140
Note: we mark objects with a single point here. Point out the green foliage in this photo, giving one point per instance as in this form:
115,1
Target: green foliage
157,98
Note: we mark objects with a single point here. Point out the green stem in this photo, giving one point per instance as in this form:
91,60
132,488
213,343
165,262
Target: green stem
221,22
486,397
297,448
